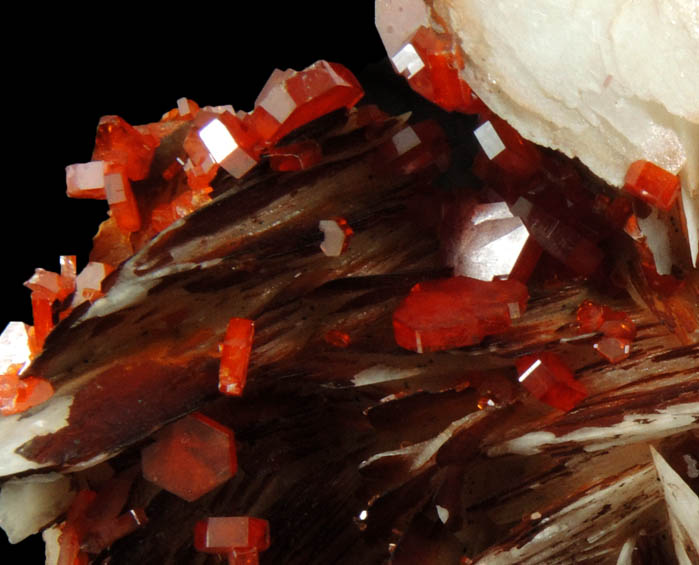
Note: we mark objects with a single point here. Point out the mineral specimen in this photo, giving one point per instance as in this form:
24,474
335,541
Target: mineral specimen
354,448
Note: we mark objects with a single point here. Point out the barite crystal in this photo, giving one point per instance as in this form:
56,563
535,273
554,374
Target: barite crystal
547,377
190,457
235,356
227,533
449,313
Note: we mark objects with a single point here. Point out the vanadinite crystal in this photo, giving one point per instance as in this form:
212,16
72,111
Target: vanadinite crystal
235,356
224,534
190,457
449,313
546,376
453,456
652,184
337,234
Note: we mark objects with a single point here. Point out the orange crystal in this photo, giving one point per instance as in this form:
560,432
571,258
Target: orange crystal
546,376
337,338
652,184
86,180
121,145
448,313
122,202
291,99
224,534
235,356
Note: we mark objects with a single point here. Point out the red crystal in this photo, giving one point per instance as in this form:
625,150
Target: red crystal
546,376
224,534
86,180
590,316
414,148
247,556
486,241
190,457
235,356
121,145
431,62
652,184
506,148
613,349
291,99
559,239
337,234
225,139
449,313
337,338
122,202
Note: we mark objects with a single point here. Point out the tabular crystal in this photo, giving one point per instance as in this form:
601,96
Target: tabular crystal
337,234
486,241
235,356
449,313
546,376
652,184
121,145
190,457
86,180
224,534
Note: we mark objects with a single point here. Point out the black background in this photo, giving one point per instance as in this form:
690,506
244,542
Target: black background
63,70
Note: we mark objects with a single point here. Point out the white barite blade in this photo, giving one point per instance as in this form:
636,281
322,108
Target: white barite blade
29,503
682,507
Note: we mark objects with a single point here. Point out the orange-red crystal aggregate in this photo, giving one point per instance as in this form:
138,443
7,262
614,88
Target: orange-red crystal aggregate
95,519
19,394
448,313
121,146
431,62
291,99
652,184
618,329
235,356
190,457
227,533
546,376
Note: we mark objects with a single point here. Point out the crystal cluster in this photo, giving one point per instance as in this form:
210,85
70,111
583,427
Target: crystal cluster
435,382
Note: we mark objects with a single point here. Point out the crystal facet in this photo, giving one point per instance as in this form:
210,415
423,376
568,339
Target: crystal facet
224,534
652,184
235,356
190,457
449,313
546,376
